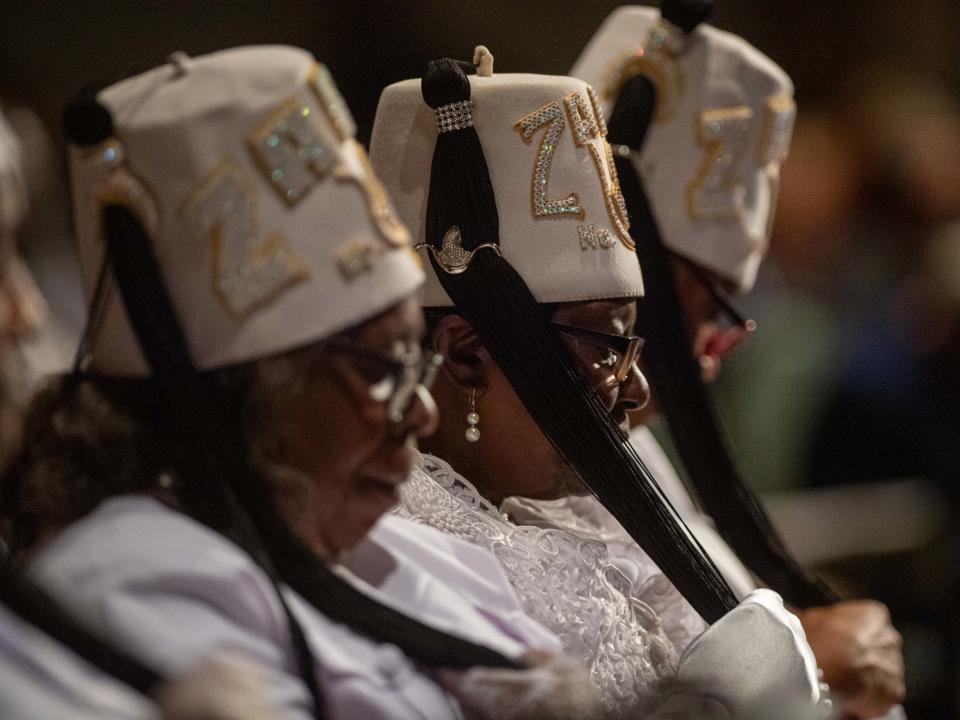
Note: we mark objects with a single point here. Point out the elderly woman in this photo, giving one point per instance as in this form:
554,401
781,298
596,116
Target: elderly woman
704,226
50,664
531,300
247,400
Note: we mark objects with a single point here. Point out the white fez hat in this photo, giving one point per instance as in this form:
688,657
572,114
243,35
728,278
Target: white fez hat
563,223
268,224
711,159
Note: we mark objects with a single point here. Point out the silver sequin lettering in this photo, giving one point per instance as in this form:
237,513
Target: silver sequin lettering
291,153
716,191
247,272
551,116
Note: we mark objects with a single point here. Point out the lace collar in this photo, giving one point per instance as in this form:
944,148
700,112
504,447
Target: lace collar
564,581
457,485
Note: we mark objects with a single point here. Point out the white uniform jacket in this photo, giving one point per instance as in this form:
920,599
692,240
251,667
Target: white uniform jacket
39,678
174,592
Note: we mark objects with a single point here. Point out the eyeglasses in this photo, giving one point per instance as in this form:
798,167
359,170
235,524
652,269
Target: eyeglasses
397,378
624,350
737,327
717,293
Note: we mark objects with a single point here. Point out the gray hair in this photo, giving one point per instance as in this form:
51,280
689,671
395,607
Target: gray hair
91,438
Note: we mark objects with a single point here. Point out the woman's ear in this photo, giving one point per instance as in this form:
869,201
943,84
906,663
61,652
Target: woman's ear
466,361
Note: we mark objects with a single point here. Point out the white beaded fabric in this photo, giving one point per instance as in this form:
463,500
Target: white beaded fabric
564,582
586,517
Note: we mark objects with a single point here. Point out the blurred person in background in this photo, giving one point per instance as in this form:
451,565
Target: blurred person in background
862,402
899,352
48,249
895,396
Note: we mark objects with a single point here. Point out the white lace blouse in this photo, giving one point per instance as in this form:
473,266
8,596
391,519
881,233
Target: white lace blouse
175,593
566,583
753,663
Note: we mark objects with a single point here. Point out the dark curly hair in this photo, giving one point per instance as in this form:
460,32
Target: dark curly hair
89,438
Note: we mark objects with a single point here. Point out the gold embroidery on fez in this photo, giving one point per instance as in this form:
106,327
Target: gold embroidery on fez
613,195
356,257
551,116
332,102
355,167
774,147
289,150
610,186
583,120
661,67
106,177
247,273
717,191
597,110
590,129
778,130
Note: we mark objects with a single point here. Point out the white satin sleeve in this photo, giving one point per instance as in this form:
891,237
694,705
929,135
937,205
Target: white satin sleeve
752,664
449,583
41,679
174,594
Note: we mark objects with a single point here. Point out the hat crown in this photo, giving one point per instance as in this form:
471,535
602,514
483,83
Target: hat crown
712,155
269,226
563,224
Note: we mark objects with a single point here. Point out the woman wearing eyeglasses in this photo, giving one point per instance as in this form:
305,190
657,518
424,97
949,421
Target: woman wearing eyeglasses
246,404
530,298
51,664
710,152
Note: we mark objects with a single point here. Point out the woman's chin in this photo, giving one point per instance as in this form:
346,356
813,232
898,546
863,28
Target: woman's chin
377,496
371,500
710,368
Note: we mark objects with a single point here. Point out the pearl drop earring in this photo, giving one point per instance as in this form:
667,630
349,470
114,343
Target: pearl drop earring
473,419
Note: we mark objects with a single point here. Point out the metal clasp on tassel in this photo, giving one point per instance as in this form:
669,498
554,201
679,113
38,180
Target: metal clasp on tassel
452,257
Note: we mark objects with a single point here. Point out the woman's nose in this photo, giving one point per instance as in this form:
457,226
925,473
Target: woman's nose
635,391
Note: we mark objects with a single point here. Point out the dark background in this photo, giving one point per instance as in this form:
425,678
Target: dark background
48,50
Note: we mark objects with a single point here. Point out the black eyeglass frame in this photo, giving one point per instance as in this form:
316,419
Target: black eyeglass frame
627,347
717,292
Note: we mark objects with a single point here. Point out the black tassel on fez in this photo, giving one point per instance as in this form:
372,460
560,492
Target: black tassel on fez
514,328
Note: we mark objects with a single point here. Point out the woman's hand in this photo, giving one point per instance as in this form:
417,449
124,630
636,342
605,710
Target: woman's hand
859,652
227,689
